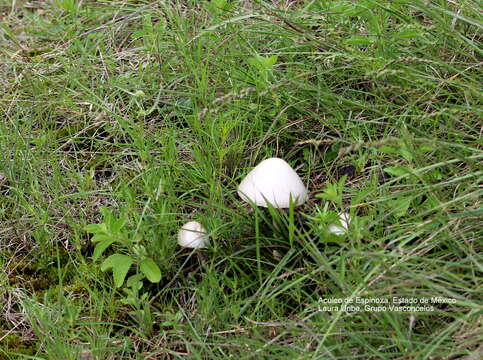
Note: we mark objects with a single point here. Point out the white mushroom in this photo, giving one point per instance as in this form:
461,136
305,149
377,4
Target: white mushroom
273,181
193,235
343,227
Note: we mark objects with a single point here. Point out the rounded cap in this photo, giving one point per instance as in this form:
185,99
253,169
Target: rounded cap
193,235
273,181
343,227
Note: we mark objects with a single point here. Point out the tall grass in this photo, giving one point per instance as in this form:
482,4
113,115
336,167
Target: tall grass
156,111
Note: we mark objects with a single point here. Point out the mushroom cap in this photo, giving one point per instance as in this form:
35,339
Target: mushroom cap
273,181
193,235
343,227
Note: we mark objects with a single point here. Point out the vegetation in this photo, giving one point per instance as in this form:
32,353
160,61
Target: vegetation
122,120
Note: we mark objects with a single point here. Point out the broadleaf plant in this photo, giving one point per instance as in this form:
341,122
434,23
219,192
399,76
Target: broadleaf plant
149,268
112,230
120,265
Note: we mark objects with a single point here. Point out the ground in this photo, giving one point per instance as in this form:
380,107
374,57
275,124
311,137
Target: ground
122,120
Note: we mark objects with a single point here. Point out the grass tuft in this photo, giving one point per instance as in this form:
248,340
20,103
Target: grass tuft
144,115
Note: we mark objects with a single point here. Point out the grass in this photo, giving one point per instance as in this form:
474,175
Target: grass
153,112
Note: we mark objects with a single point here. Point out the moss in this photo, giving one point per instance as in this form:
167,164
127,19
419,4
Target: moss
14,344
30,276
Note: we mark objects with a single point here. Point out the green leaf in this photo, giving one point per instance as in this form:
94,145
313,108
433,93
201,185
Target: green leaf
363,9
135,281
340,7
368,4
270,61
100,247
431,202
138,34
95,228
334,192
400,206
407,34
101,237
388,150
397,4
118,224
129,301
360,40
436,174
255,62
151,270
217,7
405,153
330,193
398,170
426,148
361,195
120,265
263,63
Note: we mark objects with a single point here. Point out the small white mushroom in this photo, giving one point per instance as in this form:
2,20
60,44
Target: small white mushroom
193,235
273,181
343,227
